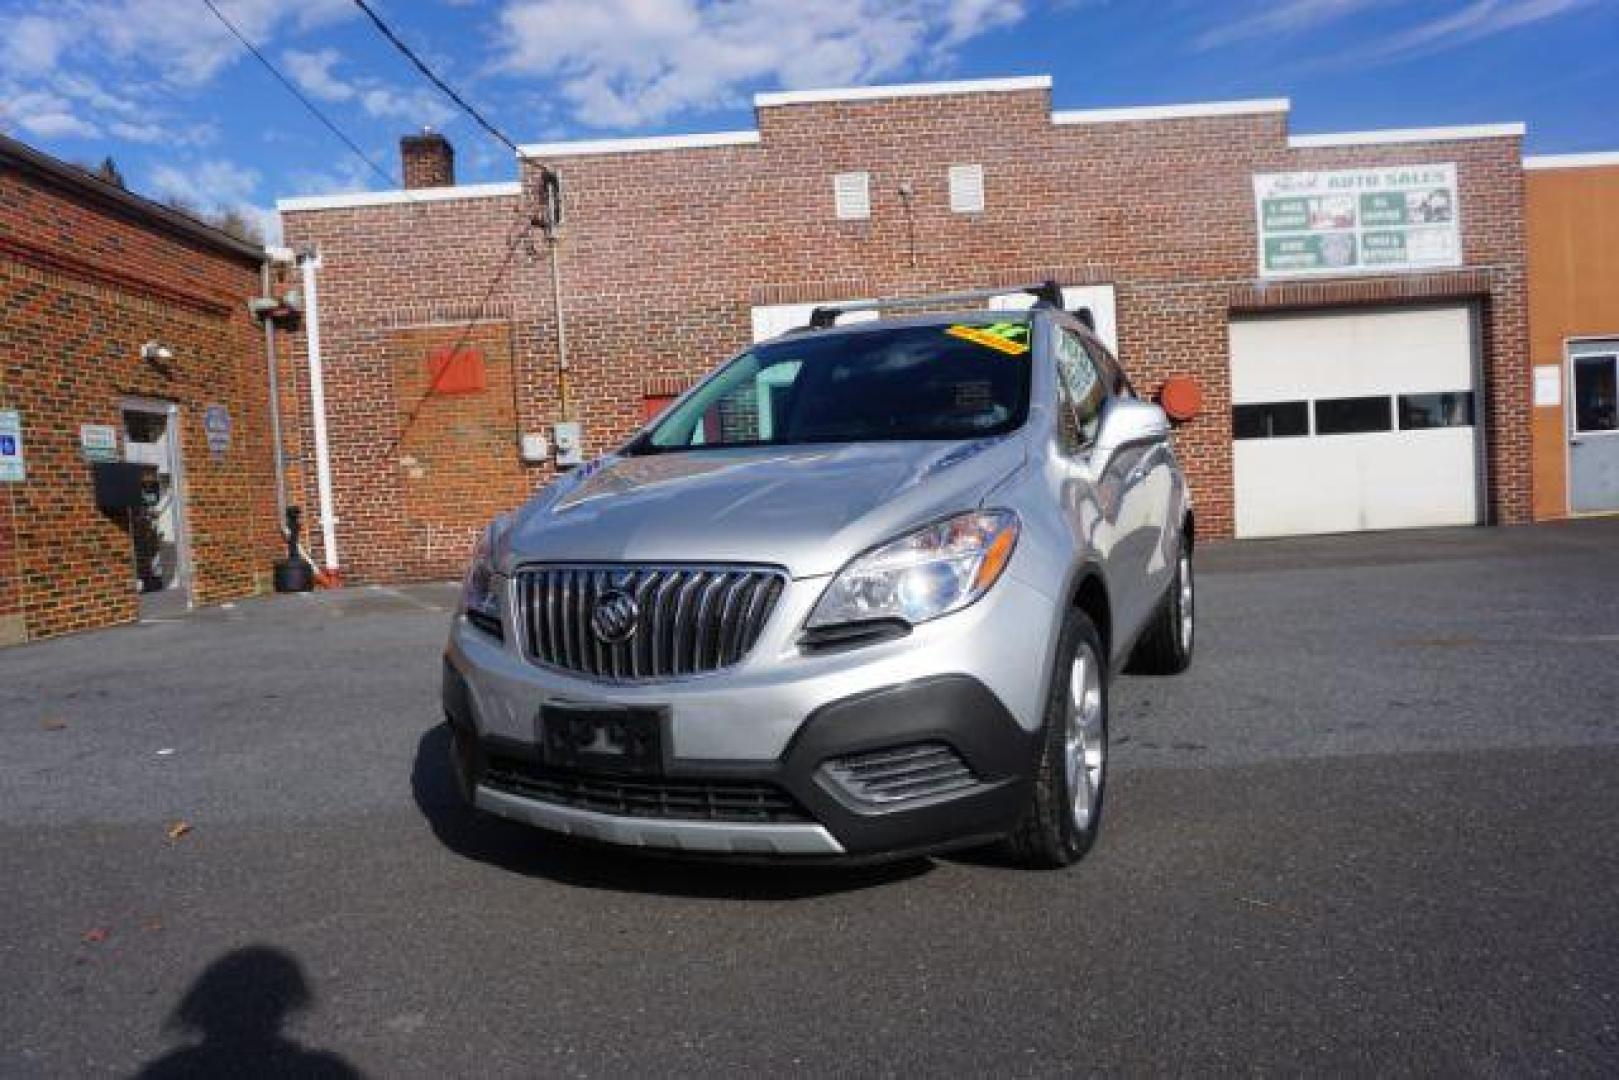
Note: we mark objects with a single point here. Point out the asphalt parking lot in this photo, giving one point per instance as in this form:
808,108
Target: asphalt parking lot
1376,828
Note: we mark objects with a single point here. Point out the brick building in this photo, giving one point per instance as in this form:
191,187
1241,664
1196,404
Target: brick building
1208,240
126,350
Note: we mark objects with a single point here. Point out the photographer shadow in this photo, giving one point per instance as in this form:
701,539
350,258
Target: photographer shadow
239,1006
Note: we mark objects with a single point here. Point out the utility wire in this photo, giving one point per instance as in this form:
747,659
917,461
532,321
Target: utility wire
387,177
512,246
421,66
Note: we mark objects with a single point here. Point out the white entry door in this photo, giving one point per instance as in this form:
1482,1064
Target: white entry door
1352,421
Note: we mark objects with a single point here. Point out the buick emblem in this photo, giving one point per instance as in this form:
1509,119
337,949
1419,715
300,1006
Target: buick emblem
615,616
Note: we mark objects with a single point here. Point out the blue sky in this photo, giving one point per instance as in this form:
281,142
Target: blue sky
162,87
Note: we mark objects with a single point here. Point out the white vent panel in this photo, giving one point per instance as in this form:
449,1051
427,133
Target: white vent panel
851,195
966,189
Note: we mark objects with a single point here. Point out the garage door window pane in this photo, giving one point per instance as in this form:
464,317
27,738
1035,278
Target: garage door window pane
1419,411
1270,420
1594,393
1353,416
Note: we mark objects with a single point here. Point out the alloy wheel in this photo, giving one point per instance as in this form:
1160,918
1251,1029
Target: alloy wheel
1085,743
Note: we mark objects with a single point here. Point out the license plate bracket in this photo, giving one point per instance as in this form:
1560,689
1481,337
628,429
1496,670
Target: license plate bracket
626,739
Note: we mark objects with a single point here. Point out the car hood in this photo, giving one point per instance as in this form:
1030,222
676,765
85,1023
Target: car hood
807,508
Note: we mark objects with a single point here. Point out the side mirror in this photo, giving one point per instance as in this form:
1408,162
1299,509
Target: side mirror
1127,422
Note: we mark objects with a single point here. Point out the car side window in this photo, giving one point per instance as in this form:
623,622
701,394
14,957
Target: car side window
1082,391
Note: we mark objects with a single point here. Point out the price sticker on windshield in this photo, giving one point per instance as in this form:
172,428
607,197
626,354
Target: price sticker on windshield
1011,338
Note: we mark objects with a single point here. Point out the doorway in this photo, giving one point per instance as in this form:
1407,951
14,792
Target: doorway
1593,435
160,547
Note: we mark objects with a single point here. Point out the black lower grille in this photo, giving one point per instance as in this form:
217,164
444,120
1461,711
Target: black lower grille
644,797
901,773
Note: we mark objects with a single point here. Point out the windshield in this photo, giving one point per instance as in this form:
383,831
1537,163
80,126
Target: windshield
945,381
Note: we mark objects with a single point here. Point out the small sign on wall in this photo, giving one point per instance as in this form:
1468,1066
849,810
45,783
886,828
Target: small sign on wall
12,469
216,422
1548,386
98,442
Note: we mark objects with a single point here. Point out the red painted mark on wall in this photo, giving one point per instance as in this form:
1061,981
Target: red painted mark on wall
455,372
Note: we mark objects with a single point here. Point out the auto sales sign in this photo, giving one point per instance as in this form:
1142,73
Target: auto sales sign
1357,221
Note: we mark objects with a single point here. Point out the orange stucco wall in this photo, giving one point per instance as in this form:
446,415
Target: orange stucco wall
1572,217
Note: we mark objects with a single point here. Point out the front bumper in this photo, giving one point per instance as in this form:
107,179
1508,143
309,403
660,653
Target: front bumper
969,683
972,766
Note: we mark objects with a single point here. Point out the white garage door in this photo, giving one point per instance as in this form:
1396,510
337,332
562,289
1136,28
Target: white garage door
1354,421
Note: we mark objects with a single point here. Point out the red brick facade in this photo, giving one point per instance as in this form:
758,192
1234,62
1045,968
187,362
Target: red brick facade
88,274
665,252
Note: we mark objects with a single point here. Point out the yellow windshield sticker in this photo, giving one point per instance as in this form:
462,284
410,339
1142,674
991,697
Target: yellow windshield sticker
1011,338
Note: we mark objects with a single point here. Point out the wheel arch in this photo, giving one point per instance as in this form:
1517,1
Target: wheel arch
1089,594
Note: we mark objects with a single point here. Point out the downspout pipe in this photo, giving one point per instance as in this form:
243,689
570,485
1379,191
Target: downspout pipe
309,262
275,397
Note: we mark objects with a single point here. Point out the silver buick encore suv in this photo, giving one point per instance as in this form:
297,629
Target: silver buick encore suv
858,594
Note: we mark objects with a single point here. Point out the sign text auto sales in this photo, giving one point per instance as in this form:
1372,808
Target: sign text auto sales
1357,221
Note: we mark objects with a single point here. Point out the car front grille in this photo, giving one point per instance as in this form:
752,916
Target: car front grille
901,773
644,797
686,619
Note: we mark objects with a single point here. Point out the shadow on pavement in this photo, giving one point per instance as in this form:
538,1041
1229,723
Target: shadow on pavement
528,851
239,1006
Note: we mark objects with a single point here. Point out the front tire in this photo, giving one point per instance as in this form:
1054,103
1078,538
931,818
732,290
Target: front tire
1065,808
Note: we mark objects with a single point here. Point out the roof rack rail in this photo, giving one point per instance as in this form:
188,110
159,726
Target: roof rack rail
1045,293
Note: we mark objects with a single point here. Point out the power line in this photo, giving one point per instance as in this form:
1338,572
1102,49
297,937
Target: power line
512,246
387,177
421,66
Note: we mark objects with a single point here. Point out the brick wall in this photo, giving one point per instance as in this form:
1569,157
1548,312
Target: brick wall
665,252
84,281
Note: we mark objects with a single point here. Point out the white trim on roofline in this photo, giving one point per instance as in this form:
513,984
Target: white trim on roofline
398,197
636,145
1571,161
778,98
1193,110
1407,135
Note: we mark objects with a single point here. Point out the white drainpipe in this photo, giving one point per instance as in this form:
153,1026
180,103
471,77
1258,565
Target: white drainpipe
309,261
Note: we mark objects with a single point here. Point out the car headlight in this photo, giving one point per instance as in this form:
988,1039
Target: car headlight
480,592
924,574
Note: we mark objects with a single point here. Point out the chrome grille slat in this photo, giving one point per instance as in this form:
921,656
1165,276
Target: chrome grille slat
552,603
641,643
691,619
681,633
598,649
725,633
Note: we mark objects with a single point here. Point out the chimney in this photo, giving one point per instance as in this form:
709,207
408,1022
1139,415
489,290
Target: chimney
428,160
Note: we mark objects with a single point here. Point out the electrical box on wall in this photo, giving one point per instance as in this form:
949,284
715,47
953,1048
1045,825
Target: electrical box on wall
569,439
534,448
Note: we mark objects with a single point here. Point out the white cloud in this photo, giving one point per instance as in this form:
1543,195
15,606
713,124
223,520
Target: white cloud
58,60
216,185
1479,19
312,71
1279,20
30,44
45,115
1471,21
315,73
182,42
212,183
624,63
